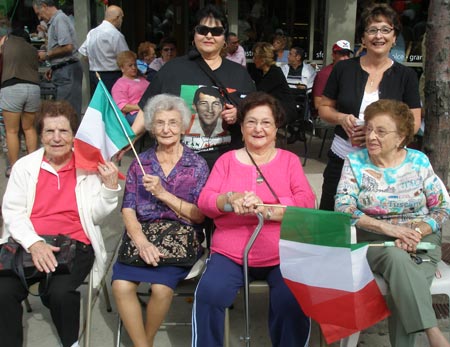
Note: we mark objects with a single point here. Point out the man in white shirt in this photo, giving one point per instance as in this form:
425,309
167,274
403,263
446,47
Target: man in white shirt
235,52
102,45
298,74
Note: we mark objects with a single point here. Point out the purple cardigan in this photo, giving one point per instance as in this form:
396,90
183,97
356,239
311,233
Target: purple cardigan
186,180
285,175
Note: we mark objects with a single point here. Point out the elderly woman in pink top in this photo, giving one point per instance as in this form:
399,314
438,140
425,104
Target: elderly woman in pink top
128,89
240,181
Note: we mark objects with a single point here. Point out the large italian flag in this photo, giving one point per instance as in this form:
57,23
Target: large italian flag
329,276
103,131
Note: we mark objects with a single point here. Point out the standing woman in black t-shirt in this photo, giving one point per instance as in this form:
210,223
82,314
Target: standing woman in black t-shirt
355,83
188,71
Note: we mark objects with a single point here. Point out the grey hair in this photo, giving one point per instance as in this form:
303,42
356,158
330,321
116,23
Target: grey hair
39,3
166,102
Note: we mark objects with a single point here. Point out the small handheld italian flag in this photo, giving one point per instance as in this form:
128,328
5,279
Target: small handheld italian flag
330,277
103,131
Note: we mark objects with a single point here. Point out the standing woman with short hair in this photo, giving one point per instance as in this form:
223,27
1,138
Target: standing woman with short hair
357,82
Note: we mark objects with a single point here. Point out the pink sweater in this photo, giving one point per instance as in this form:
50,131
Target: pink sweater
128,91
285,175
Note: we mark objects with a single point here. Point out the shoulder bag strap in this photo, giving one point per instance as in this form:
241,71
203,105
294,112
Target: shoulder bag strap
212,76
263,177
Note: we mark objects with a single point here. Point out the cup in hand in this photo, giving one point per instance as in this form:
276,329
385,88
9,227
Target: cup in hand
357,142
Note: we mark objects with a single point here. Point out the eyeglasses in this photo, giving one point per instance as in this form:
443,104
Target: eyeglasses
252,123
373,30
172,124
168,49
204,30
380,133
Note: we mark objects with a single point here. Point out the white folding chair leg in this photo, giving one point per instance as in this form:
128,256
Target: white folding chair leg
87,334
351,341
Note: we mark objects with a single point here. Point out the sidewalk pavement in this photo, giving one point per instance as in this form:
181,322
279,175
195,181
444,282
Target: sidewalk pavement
39,332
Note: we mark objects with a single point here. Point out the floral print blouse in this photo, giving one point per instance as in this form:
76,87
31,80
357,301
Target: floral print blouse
185,181
408,193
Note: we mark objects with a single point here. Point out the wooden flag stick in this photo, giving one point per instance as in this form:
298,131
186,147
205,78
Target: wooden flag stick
272,205
111,102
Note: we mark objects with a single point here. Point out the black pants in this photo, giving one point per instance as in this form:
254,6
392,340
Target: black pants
62,298
331,177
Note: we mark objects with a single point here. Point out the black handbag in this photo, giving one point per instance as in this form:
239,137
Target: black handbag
14,260
178,242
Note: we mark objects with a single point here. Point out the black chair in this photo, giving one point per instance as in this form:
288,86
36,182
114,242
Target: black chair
314,126
295,129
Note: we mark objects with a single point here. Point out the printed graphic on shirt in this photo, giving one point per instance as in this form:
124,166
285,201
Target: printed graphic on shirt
205,132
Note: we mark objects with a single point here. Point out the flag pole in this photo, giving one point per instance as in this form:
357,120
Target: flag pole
272,205
120,122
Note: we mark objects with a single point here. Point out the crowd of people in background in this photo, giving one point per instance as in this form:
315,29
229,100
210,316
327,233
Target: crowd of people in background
214,110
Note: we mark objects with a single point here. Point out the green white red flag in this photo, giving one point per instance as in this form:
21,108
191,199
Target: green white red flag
330,277
102,133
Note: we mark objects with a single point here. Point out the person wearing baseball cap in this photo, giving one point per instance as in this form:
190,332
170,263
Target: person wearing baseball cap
341,50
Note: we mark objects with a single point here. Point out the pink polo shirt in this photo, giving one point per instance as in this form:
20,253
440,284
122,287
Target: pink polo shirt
55,209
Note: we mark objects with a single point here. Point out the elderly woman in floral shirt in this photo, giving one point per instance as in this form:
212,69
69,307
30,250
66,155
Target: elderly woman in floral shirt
394,195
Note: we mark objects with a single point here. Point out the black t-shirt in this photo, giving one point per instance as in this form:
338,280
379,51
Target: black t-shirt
181,76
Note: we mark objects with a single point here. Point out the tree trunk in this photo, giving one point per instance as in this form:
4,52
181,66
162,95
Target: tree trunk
437,88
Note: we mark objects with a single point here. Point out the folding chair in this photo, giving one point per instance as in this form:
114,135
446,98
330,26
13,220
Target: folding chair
315,124
298,126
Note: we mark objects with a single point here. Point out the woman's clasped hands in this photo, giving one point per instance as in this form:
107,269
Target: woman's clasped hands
246,203
406,238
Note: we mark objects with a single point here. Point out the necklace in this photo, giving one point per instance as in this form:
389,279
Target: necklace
375,75
260,178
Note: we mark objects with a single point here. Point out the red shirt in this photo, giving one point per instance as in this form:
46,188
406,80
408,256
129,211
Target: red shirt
321,80
55,209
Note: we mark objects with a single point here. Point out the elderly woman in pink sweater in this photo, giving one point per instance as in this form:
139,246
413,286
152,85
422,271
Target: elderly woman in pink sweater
128,89
241,181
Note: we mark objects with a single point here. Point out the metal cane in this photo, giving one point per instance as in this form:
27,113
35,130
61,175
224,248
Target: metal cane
249,245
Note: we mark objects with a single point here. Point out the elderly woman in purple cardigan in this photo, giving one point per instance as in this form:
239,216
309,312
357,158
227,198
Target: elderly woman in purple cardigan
169,190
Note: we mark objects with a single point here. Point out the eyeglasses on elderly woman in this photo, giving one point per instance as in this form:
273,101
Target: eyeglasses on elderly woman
379,132
372,31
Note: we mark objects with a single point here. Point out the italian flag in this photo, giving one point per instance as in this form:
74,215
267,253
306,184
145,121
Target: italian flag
330,277
102,133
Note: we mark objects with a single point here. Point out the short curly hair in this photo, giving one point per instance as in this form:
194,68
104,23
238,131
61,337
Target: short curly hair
256,99
166,102
399,112
124,56
144,47
373,14
265,51
53,109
